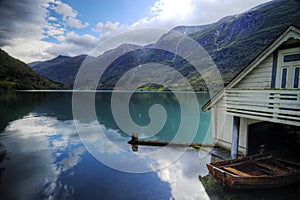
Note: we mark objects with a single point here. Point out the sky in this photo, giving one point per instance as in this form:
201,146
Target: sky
37,30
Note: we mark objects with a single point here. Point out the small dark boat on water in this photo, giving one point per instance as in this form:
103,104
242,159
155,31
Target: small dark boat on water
257,171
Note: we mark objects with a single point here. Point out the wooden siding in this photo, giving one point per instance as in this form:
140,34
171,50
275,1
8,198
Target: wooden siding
280,106
260,77
222,125
222,128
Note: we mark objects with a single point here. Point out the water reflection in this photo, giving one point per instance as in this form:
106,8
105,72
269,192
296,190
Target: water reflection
15,105
182,175
48,160
42,157
38,155
3,156
47,153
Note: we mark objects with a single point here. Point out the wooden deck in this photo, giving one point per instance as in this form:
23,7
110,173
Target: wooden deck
279,106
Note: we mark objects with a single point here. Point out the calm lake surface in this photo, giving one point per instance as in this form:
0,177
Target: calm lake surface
46,154
44,158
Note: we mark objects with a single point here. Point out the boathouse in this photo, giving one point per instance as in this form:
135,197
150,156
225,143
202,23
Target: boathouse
260,107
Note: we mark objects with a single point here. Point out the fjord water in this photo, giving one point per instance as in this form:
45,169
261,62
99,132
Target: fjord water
42,156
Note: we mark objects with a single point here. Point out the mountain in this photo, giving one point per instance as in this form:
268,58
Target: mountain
232,42
16,75
33,64
62,69
189,29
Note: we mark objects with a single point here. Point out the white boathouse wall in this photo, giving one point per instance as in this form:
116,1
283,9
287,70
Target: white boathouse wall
261,77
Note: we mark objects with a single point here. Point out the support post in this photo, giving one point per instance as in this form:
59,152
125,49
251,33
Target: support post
235,137
134,138
133,142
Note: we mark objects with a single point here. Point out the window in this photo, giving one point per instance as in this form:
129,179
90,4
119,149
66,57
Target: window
284,71
288,69
291,58
296,76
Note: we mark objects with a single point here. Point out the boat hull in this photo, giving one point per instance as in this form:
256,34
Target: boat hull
240,180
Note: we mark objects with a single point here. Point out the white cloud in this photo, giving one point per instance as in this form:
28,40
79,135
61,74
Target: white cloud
52,19
108,27
73,45
29,49
75,23
56,25
85,40
169,9
65,9
170,13
69,15
55,30
25,24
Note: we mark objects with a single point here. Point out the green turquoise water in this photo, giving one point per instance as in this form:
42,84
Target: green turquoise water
46,154
43,157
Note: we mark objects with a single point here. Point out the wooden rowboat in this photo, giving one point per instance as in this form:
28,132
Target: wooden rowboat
257,171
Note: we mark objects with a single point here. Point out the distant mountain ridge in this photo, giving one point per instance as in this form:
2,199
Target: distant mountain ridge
61,69
232,42
16,75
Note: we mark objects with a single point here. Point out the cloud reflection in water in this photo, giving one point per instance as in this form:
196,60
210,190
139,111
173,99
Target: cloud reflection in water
41,149
46,152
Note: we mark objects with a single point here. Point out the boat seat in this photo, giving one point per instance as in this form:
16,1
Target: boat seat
235,171
289,161
270,167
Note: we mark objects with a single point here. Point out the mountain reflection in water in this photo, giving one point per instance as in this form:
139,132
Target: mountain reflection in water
45,158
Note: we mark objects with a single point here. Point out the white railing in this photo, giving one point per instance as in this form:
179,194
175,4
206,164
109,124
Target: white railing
274,105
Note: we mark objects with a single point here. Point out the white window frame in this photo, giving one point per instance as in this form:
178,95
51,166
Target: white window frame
294,73
286,78
290,65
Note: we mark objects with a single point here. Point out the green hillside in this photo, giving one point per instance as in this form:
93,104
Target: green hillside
62,69
234,41
16,75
